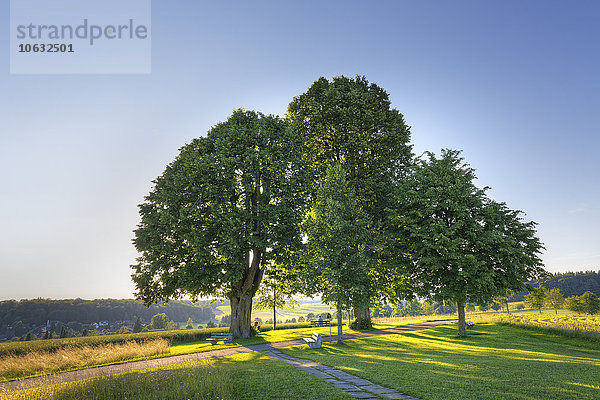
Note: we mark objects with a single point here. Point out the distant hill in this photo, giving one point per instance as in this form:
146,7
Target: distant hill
38,311
569,284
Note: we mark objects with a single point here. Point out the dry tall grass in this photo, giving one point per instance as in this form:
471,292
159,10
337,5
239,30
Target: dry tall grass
200,380
72,357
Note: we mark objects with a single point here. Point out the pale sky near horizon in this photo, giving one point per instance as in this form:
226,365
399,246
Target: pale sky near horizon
515,85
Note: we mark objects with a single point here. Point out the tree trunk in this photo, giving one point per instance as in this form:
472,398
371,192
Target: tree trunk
274,316
362,316
241,299
507,310
462,323
241,314
340,340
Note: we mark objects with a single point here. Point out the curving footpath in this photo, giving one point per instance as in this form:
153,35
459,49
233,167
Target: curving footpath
268,348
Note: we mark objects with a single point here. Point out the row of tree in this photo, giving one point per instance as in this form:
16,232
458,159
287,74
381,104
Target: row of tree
569,284
37,312
538,297
328,201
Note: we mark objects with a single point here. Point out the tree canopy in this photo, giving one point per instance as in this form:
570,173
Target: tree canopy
351,122
336,263
229,205
227,212
464,247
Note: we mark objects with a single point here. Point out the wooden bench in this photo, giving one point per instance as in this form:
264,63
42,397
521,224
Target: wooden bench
314,342
470,324
225,337
319,322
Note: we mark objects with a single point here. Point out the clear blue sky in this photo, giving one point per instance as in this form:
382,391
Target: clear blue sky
514,84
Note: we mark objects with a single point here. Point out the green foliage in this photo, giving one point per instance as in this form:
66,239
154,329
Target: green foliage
159,321
189,324
537,297
171,326
569,283
336,264
225,320
276,291
587,303
36,312
464,247
124,330
555,299
137,325
350,123
227,206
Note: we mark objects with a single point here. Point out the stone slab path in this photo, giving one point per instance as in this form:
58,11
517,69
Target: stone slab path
354,385
160,362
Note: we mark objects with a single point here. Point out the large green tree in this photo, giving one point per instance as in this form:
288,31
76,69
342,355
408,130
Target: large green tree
464,247
229,205
336,263
351,122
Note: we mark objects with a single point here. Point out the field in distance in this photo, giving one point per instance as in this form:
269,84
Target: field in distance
301,310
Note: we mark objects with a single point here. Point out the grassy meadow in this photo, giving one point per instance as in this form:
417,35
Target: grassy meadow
494,362
242,376
24,359
76,357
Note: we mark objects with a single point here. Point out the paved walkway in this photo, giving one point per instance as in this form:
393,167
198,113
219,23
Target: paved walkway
357,387
160,362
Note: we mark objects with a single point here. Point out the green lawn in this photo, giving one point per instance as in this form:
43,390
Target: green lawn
9,364
281,335
243,376
495,362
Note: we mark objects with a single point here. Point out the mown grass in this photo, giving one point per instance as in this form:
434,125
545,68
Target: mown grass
14,366
494,362
281,335
242,376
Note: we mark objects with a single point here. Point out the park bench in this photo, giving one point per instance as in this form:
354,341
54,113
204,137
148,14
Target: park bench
470,324
314,342
319,322
225,337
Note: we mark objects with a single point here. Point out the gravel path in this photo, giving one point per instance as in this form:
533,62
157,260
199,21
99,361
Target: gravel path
159,362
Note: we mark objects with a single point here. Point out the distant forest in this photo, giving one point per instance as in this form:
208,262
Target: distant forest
569,284
38,311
